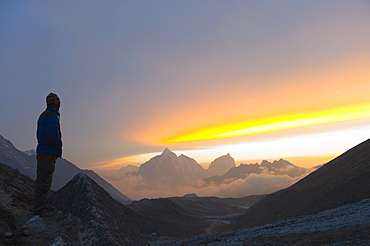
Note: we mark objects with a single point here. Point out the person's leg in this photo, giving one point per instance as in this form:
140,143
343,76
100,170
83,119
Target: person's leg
45,170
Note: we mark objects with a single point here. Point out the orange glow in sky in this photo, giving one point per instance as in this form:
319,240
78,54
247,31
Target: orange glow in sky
276,123
255,79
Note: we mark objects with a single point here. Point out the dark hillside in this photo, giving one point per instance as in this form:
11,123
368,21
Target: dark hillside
344,180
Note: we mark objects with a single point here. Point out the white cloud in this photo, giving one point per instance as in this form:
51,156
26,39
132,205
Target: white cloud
134,187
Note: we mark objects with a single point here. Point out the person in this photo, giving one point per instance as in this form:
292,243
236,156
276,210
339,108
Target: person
49,148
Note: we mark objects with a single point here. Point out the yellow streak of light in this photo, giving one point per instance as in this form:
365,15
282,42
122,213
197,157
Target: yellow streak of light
276,123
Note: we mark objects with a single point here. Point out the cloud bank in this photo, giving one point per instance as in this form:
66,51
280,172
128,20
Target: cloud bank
254,184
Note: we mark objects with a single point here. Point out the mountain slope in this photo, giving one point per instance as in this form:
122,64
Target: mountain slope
64,170
15,158
104,221
342,181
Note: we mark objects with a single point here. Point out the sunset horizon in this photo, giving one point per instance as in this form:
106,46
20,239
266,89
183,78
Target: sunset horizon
255,80
185,122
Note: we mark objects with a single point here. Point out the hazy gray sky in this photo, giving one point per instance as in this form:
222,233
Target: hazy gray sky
131,74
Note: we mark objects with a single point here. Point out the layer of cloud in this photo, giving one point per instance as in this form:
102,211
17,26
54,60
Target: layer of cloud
134,187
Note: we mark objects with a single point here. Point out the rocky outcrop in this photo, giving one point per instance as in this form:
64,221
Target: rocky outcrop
102,219
33,226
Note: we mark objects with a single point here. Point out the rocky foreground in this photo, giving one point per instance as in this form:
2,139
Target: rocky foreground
347,225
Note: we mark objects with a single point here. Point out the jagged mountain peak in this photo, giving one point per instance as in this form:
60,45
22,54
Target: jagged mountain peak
221,165
281,162
81,179
166,152
265,163
172,170
276,164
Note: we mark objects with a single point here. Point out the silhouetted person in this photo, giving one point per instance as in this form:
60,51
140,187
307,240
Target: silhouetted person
49,148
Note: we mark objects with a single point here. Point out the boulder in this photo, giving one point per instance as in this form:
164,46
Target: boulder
33,226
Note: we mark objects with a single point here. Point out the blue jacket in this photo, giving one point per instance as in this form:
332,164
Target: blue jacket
49,136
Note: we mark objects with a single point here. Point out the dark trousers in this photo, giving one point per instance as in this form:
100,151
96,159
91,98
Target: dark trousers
45,170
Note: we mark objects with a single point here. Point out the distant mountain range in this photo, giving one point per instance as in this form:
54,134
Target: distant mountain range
64,170
173,170
179,171
280,167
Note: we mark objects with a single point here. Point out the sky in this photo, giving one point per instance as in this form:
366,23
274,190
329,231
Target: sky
256,79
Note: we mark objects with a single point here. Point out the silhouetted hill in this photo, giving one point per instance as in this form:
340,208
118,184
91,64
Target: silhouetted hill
104,221
343,180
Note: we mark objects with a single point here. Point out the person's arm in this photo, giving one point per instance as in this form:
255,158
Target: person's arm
52,131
